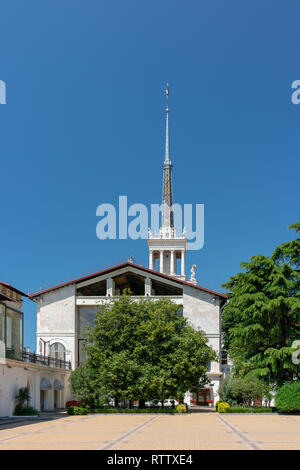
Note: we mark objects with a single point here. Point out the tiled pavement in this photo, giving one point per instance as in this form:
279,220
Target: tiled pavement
157,432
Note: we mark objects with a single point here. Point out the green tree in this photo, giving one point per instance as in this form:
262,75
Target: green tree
85,387
145,350
262,318
237,390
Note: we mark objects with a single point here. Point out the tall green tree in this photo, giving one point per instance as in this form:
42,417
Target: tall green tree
262,318
145,350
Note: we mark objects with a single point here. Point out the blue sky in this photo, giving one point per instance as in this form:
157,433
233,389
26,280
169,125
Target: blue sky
84,123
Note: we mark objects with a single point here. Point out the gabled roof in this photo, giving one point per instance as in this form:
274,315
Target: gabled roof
9,287
123,265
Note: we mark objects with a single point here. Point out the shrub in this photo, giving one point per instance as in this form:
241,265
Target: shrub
181,408
83,410
73,403
243,390
77,410
217,403
25,411
240,409
287,398
223,406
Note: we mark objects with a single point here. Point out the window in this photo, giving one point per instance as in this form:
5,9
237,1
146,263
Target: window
2,322
58,351
14,330
224,357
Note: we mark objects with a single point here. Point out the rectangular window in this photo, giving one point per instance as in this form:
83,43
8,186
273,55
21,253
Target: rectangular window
14,330
224,357
87,317
2,322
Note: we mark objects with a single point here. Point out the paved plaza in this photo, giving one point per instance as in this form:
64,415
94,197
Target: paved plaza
204,431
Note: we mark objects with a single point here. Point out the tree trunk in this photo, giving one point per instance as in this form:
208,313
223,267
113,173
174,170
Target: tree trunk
116,402
142,403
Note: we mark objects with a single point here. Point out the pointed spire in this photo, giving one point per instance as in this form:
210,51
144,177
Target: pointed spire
167,148
167,199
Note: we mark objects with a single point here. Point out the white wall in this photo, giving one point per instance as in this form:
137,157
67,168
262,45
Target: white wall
56,319
17,374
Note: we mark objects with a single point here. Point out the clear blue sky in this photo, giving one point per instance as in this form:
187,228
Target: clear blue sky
84,123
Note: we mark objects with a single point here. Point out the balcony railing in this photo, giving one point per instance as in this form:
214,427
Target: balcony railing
39,359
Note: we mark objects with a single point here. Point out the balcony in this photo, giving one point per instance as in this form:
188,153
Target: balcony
49,361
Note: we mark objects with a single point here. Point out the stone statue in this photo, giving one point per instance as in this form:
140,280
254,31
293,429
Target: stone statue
193,277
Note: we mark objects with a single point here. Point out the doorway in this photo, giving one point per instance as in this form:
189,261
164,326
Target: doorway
56,399
203,396
43,400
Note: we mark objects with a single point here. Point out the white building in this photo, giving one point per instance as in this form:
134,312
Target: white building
63,311
45,376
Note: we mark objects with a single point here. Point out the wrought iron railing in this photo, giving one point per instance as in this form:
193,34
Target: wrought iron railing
27,356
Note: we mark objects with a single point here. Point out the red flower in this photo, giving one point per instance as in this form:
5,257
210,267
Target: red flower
73,403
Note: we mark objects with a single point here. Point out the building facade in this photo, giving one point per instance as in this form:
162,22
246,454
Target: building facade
65,310
45,376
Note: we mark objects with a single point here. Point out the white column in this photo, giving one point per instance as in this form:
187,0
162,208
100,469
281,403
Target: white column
110,287
182,263
147,286
172,263
161,261
150,259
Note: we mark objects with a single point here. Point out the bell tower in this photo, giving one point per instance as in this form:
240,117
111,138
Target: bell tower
166,246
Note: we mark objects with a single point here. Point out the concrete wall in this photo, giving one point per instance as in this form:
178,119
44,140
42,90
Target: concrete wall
17,374
56,320
202,309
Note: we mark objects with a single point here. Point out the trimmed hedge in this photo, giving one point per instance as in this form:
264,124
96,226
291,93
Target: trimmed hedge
287,398
81,410
239,409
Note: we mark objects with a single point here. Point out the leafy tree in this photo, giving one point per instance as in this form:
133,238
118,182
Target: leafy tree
243,390
144,350
85,387
262,318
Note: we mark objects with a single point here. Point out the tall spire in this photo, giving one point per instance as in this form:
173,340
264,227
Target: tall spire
167,148
167,197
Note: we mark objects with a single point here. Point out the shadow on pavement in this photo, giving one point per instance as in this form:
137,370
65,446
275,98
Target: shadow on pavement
18,421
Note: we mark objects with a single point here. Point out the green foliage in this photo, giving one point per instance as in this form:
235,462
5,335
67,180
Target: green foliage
141,350
217,404
181,408
25,411
262,318
223,407
23,397
287,398
81,410
240,409
85,386
243,390
78,410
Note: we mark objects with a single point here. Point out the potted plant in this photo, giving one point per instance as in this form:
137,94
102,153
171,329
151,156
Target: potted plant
209,403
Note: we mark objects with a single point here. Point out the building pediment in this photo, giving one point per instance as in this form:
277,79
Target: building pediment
127,269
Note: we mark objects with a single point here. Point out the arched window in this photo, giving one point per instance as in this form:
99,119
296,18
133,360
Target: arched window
58,351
